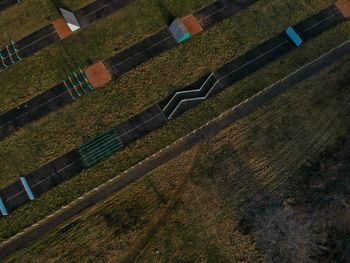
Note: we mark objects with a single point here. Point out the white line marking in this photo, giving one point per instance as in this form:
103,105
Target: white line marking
32,43
155,44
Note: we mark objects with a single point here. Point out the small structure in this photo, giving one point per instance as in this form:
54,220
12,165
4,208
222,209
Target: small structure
70,19
27,188
184,28
3,208
344,7
179,30
294,36
98,75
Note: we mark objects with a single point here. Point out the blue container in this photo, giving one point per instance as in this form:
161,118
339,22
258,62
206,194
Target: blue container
27,188
294,36
3,208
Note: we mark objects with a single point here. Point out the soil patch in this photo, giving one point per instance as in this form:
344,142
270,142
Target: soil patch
98,75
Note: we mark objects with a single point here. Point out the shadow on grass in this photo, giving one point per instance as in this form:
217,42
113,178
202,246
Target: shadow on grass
239,186
168,16
58,4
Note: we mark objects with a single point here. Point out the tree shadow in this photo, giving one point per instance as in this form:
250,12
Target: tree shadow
58,4
232,175
168,16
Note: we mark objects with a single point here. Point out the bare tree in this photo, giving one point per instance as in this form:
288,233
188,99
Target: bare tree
286,237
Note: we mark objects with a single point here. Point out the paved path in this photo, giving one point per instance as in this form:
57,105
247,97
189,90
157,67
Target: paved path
181,145
4,4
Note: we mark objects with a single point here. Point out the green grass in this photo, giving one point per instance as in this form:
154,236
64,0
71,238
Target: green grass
74,4
96,42
63,130
122,220
255,160
22,19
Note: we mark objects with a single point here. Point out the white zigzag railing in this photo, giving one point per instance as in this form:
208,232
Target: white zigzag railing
177,94
198,91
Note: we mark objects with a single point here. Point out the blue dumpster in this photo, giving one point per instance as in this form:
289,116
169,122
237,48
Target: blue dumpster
294,36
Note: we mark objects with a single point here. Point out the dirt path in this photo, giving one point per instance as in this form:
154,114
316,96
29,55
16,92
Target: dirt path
160,218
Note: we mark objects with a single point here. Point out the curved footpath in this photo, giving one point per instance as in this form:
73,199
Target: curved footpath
206,131
127,132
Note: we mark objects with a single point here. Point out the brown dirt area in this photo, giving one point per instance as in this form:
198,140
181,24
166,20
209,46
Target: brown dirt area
192,24
98,75
62,28
344,7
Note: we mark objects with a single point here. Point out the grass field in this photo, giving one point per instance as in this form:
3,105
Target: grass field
65,129
98,41
133,210
254,162
20,20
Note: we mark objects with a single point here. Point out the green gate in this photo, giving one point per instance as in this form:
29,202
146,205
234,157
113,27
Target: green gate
100,147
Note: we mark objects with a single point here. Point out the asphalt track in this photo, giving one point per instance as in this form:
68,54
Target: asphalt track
38,40
141,52
99,9
47,35
206,131
155,117
163,40
218,11
119,64
4,4
34,109
255,59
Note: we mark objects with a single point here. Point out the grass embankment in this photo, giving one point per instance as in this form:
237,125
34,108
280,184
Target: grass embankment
63,130
22,19
94,43
253,163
